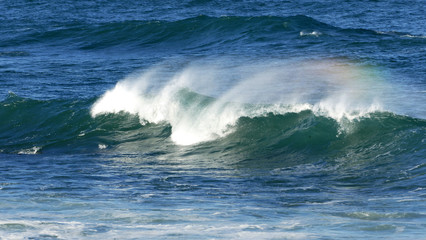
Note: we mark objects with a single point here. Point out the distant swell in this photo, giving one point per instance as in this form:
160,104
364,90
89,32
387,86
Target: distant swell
198,32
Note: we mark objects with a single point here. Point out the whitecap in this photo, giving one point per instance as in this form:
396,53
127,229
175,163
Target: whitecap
29,151
313,33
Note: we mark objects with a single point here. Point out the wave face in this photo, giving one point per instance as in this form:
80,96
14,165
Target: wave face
268,136
52,126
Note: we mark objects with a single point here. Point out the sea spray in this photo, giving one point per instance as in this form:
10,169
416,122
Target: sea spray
193,118
335,89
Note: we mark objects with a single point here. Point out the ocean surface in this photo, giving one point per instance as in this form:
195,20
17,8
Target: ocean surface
212,119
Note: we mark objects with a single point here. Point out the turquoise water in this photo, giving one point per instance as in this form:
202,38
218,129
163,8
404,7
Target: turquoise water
212,120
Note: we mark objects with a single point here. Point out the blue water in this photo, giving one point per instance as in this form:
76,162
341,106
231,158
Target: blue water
212,120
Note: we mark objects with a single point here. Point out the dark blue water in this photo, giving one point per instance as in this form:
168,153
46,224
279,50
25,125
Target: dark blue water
212,119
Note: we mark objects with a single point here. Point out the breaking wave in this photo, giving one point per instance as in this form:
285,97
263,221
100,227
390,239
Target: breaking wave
296,109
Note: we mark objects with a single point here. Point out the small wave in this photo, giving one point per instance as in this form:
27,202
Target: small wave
401,34
414,36
378,216
14,54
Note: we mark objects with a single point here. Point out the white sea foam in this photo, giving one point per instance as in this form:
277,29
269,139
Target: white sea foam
333,89
307,33
401,34
102,146
413,36
33,150
27,229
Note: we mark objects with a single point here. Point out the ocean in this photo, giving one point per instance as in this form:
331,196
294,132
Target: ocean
202,119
